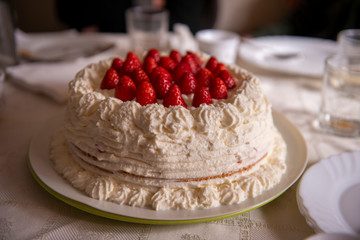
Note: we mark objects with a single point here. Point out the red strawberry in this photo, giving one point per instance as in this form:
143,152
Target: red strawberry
176,56
131,62
149,65
110,80
204,77
125,90
197,59
219,68
179,70
139,75
117,64
187,83
145,93
212,64
173,97
154,53
132,56
167,63
159,72
162,86
218,89
227,78
191,61
202,95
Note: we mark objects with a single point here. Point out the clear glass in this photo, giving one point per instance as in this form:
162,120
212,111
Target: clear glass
148,28
340,108
349,42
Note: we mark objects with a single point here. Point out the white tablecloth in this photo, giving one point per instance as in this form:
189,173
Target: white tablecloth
27,211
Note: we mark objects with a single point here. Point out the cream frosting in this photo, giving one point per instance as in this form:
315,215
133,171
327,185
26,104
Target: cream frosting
169,158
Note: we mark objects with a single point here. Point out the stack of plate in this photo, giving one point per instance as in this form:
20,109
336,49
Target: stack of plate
329,195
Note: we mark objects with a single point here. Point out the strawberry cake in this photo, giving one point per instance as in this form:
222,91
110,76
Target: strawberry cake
168,131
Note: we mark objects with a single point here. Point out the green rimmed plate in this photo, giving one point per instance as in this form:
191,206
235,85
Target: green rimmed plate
44,173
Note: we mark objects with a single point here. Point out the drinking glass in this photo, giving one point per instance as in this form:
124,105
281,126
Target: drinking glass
340,108
349,42
148,28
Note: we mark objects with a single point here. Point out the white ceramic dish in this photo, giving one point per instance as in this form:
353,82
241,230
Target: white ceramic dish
288,54
329,194
68,48
42,170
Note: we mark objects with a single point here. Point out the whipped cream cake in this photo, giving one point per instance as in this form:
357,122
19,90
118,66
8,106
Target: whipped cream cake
168,132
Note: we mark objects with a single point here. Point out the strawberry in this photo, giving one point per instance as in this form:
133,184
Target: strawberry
131,62
145,93
176,56
162,86
110,79
212,64
197,59
202,95
117,64
219,68
132,56
191,61
167,63
204,77
160,72
125,90
173,97
187,83
149,65
179,70
227,78
154,53
139,75
218,89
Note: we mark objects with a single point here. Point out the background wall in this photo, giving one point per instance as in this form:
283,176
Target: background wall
37,15
235,15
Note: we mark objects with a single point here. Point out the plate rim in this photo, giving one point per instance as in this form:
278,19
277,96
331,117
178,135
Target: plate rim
88,207
305,209
244,47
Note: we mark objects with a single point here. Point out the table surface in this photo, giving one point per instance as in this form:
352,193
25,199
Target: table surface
27,211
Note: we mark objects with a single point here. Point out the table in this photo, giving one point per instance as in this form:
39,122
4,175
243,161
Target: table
27,211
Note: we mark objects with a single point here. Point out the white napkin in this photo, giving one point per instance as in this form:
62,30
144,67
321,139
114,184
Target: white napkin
52,78
182,39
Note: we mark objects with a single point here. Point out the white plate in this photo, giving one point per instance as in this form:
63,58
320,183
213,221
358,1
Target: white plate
329,194
67,48
296,55
43,171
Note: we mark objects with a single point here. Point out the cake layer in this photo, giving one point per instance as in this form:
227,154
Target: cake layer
189,195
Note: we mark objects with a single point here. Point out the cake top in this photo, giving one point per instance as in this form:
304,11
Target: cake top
166,78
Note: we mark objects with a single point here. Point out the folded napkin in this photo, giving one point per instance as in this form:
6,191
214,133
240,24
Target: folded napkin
48,78
182,39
